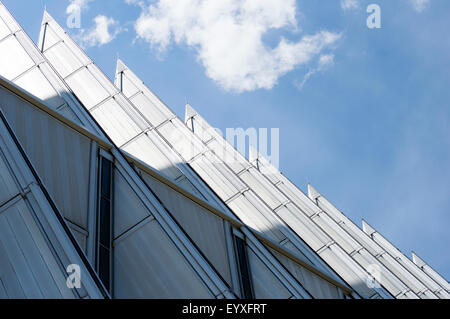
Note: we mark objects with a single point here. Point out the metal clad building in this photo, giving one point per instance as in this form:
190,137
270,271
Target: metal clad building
105,177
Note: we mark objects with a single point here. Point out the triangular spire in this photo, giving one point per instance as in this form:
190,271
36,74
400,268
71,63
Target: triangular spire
46,16
369,230
190,112
417,260
313,194
121,66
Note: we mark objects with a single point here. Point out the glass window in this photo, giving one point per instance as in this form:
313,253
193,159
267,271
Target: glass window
104,222
246,284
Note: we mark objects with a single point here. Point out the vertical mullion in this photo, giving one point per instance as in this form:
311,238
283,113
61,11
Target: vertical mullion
244,269
104,220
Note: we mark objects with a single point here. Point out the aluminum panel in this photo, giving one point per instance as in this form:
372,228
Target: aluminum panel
4,30
148,265
51,38
151,113
145,150
86,87
35,82
218,176
221,186
59,154
8,185
302,225
265,284
408,275
128,208
11,50
80,237
431,272
335,227
333,230
207,230
62,58
232,159
116,122
316,286
8,19
272,197
23,253
179,141
126,86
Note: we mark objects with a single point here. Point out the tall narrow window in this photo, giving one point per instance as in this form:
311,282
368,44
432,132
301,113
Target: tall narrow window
246,283
104,222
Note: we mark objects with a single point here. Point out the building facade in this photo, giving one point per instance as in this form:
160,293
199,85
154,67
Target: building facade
106,193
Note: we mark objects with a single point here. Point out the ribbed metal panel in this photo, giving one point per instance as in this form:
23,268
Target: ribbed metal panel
265,284
218,176
30,266
148,265
206,229
128,209
317,288
333,246
58,153
22,63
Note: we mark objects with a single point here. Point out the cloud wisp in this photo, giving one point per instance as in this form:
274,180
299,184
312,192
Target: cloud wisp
227,37
325,61
348,5
104,31
76,6
420,5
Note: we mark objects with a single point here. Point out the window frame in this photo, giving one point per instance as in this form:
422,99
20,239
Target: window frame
103,242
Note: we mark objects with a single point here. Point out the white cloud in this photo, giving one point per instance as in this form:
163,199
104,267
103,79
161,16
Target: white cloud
419,5
349,4
104,31
227,36
76,6
325,61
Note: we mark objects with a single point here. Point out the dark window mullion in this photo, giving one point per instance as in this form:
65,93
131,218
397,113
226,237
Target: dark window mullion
104,222
246,283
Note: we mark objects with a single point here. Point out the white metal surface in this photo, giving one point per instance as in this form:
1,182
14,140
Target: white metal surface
336,228
30,266
431,272
121,120
361,248
366,252
59,154
207,230
333,246
142,125
117,98
228,187
22,63
420,278
194,275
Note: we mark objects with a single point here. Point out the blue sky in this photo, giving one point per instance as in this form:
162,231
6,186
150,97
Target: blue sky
369,128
